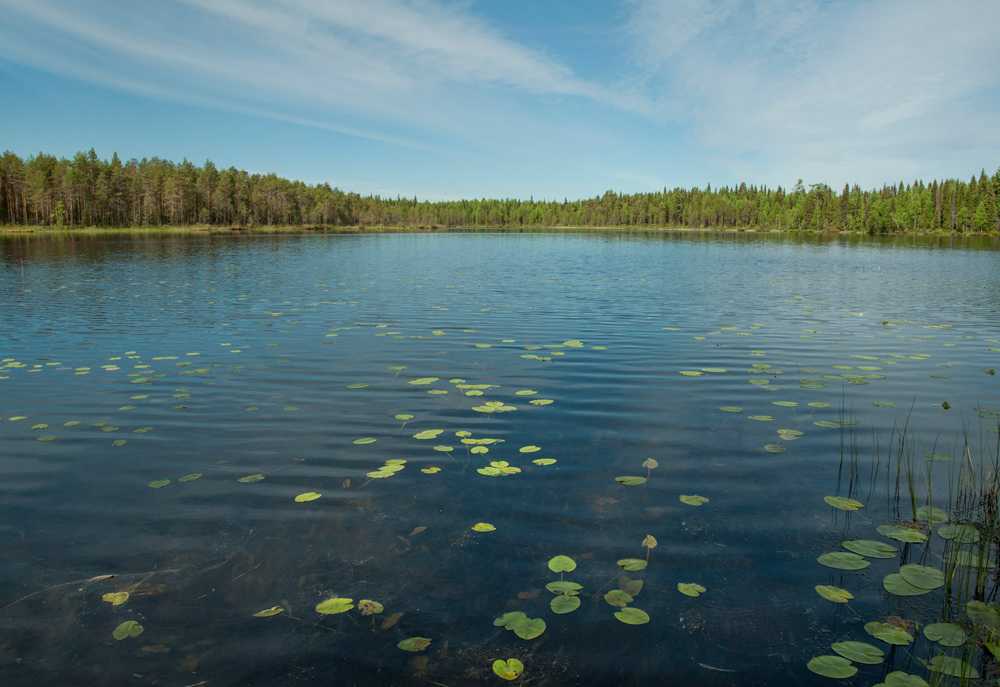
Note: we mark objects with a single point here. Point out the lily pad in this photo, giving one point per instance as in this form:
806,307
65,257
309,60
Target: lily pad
115,598
888,633
564,587
961,534
364,441
618,598
428,434
632,564
369,607
981,613
955,667
269,612
128,629
632,616
630,480
564,603
834,594
907,535
859,652
843,503
562,564
483,527
510,669
691,589
870,548
542,462
414,644
693,499
528,628
945,634
334,605
842,560
307,496
898,678
895,583
835,667
934,516
158,483
423,381
922,576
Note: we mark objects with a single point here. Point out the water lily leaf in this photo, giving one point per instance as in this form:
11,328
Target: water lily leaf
834,594
510,669
483,527
364,441
564,587
774,448
334,605
632,616
889,633
962,534
158,483
530,449
269,612
843,503
987,615
528,628
562,564
428,434
431,470
129,628
190,477
423,381
731,409
630,586
898,678
541,402
907,535
307,496
630,480
250,479
632,564
859,652
441,448
115,598
922,576
955,667
945,634
564,603
842,560
369,607
542,462
507,620
895,583
835,667
414,644
691,373
618,598
870,548
692,499
403,417
934,516
691,589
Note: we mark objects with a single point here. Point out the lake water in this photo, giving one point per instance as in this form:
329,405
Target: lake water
127,362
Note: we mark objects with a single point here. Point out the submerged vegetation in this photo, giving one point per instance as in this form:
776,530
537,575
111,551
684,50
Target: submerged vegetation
46,191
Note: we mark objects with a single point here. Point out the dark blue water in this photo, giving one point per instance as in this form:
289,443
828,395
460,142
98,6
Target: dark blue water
130,361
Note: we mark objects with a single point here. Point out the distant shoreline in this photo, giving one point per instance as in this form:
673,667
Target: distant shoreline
264,230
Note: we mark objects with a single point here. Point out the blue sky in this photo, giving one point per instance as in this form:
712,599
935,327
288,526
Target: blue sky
444,99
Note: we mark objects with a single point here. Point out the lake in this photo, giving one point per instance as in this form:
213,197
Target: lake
217,452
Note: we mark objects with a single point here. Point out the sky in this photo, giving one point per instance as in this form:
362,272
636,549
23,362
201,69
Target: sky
516,98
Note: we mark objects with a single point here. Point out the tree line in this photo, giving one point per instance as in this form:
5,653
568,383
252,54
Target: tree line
88,191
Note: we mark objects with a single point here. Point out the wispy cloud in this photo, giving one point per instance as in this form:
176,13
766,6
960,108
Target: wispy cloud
831,91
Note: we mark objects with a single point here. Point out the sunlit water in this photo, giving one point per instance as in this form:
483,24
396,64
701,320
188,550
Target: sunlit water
232,357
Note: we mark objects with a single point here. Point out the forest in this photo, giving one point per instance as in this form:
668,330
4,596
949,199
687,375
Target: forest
86,191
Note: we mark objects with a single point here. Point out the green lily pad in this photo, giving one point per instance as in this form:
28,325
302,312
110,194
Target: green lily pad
528,628
618,598
414,644
529,449
250,479
632,616
731,409
510,669
428,434
158,483
895,583
955,667
564,603
843,503
269,612
898,678
483,527
835,667
934,516
907,535
307,496
190,477
834,594
334,605
542,462
564,587
842,560
859,652
128,629
369,607
364,441
945,634
632,564
870,548
423,381
693,499
981,613
562,564
630,480
961,534
507,620
922,576
691,589
888,633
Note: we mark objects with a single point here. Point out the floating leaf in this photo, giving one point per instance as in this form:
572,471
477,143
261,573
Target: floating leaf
530,449
691,373
870,548
618,598
430,470
528,628
564,587
834,594
632,564
774,448
423,381
955,667
364,441
898,678
250,479
403,417
835,667
564,603
889,633
691,589
544,461
632,616
414,644
842,560
562,564
158,483
987,615
507,620
843,503
129,628
307,496
962,534
934,516
190,477
510,669
922,576
731,409
630,480
483,527
907,535
334,605
945,634
859,652
428,434
115,598
269,612
369,607
693,499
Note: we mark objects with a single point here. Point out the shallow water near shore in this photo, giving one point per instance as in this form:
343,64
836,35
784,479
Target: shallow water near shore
171,406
